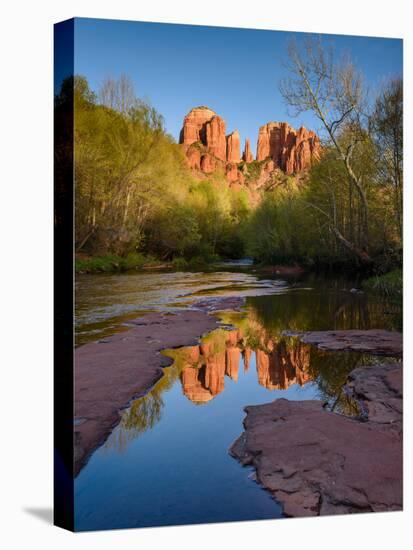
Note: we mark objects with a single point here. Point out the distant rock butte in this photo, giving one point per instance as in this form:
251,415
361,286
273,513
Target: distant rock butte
208,148
292,150
202,125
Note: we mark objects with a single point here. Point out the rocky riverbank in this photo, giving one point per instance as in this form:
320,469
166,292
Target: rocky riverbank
317,462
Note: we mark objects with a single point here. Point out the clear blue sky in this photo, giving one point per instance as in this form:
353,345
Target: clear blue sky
235,72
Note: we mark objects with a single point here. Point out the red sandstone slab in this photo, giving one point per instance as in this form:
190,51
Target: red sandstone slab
317,462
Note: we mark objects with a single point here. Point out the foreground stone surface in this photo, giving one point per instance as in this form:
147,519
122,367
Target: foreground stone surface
376,342
111,372
317,462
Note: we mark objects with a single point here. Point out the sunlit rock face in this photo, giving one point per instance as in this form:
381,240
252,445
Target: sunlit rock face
204,126
208,149
194,127
247,155
292,150
233,147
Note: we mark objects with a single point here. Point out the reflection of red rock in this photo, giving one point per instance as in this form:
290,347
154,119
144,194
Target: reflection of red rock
278,367
283,366
214,368
246,356
291,150
233,356
193,387
218,358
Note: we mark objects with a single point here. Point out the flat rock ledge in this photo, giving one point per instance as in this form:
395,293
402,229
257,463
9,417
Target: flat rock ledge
375,342
317,462
111,372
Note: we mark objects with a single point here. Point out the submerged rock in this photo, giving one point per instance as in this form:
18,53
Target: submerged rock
317,462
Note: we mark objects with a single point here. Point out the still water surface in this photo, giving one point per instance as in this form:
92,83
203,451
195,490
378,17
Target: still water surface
167,461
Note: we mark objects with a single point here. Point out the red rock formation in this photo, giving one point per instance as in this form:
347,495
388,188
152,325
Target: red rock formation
247,155
194,125
305,150
215,137
291,150
204,125
208,164
233,174
233,147
194,158
279,144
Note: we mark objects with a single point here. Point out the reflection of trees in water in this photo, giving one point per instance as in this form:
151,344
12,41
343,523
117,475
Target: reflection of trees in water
280,361
144,412
329,306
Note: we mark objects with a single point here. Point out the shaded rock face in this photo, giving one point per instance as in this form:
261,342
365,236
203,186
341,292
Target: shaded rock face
233,147
247,155
292,151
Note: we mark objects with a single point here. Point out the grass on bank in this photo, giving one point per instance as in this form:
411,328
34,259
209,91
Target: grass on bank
390,284
110,263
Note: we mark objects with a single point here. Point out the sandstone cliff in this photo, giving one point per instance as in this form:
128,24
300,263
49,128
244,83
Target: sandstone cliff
280,148
292,151
233,147
247,154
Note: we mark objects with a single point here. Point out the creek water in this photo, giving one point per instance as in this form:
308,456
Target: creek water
167,461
